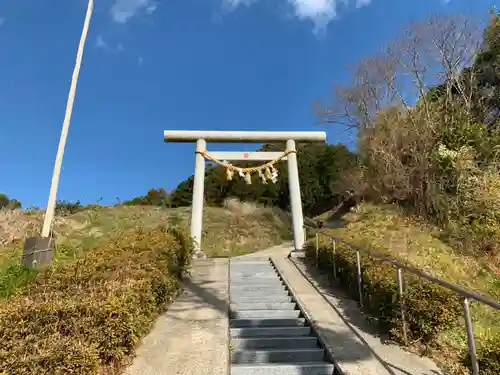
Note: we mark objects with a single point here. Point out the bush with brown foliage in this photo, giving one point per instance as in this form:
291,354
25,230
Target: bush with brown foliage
439,158
89,315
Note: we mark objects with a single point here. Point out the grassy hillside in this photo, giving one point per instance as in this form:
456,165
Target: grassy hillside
236,229
115,270
387,230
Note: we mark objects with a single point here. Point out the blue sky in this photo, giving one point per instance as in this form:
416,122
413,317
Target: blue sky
151,65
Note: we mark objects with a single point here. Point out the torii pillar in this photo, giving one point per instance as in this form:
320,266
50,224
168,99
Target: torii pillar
201,137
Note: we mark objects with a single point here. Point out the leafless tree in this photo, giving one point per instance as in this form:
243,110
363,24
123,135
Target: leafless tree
428,53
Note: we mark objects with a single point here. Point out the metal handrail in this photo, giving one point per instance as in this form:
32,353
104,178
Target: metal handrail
467,295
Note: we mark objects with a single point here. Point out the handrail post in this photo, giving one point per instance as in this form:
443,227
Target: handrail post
360,280
334,255
317,249
399,280
470,337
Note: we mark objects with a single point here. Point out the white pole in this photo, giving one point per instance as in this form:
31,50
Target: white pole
295,200
51,204
198,195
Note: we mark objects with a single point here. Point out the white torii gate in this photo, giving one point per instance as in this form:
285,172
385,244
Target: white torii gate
201,137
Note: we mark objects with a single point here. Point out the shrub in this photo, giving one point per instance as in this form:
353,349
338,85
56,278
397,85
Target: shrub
79,317
429,308
67,207
10,204
488,355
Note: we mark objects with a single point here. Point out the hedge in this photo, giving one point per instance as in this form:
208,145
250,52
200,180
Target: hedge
429,308
488,356
89,315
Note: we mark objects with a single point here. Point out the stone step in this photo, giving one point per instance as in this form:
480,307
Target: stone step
248,278
251,270
263,306
254,276
259,293
261,285
268,337
253,281
249,288
270,322
252,265
267,266
235,270
252,314
300,342
270,332
277,299
306,368
278,355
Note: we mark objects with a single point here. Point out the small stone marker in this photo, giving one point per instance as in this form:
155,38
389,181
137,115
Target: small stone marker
37,251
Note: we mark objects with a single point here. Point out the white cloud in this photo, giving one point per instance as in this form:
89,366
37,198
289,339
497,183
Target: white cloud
100,42
321,12
362,3
123,10
233,4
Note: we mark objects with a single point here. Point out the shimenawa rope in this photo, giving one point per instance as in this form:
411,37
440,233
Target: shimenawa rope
266,171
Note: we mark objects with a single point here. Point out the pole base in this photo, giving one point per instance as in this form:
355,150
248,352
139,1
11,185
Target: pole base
198,254
37,252
297,254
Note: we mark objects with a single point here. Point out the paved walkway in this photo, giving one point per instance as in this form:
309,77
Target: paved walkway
192,337
343,329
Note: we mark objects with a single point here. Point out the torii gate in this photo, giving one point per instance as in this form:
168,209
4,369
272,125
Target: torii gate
201,137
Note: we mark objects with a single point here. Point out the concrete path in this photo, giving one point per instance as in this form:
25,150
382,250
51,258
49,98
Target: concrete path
192,336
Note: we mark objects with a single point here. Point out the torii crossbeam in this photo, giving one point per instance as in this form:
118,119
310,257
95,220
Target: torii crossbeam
201,137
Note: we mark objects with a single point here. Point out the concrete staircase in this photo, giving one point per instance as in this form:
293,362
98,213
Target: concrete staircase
269,335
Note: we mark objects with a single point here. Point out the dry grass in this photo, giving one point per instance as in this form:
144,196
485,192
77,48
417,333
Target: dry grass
242,228
387,230
237,229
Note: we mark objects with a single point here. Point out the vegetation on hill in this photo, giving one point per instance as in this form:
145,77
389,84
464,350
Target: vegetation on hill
5,202
115,269
433,314
319,168
437,165
438,159
85,316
